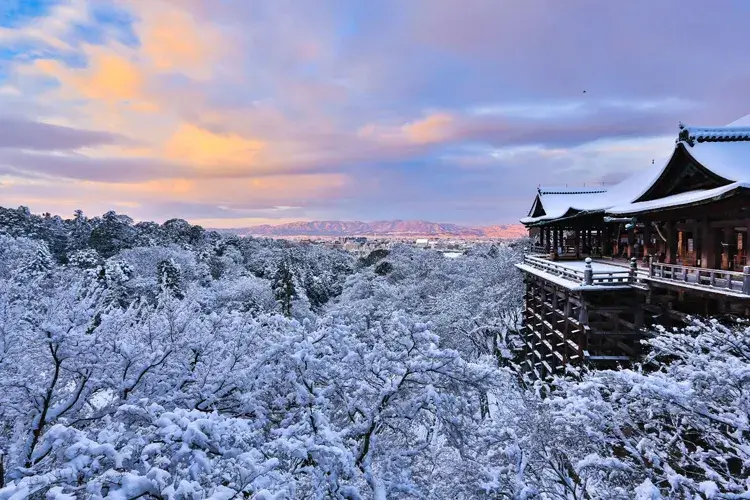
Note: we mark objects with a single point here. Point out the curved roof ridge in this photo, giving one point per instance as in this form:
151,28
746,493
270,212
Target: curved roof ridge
741,122
691,135
566,190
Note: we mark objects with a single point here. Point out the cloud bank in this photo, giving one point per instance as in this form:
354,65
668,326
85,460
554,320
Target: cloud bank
434,109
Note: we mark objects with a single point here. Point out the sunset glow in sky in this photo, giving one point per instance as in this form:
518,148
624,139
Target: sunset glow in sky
235,112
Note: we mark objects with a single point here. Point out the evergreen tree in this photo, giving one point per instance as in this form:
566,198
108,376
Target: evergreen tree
169,277
112,234
373,257
85,259
181,232
283,287
150,234
39,263
383,268
16,222
56,235
115,274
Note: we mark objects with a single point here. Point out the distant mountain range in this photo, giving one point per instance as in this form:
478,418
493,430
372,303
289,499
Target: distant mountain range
391,228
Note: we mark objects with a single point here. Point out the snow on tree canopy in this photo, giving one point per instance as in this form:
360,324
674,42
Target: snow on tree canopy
164,361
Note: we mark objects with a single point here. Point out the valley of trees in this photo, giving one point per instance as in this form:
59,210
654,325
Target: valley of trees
165,361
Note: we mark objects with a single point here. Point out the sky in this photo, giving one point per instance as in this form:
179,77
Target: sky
230,113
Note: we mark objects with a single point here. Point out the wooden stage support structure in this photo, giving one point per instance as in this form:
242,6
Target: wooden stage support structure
565,327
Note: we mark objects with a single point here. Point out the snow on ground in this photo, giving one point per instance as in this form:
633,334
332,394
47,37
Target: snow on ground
580,265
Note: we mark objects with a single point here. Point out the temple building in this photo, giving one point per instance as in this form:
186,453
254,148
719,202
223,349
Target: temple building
665,243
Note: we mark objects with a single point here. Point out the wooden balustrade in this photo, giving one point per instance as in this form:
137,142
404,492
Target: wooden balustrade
579,275
710,278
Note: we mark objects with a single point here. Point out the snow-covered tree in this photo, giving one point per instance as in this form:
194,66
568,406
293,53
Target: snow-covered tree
678,425
178,363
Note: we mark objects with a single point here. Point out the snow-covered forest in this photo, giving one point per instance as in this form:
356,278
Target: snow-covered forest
165,361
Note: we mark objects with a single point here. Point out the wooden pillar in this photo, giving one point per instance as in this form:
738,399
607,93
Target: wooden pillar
566,327
614,239
577,243
708,245
631,242
555,240
671,257
727,251
583,313
647,249
697,244
638,316
606,244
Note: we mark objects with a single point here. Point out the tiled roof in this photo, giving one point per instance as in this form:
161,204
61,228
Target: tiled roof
691,135
566,190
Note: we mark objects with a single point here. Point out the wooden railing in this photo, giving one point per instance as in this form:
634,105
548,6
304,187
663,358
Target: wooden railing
586,276
562,251
537,249
709,278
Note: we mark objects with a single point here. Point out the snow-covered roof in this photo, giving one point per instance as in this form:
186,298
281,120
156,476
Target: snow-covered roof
568,190
724,151
730,160
691,135
598,199
742,122
678,200
558,205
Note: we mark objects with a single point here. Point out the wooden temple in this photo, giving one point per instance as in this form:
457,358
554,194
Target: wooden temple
664,244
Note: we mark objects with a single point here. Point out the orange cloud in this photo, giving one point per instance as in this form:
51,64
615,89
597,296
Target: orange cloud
196,145
273,190
299,185
434,128
167,188
109,77
172,40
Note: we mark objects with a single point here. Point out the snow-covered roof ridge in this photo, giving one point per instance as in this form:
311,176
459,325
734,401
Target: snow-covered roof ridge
723,151
678,200
567,190
741,122
691,135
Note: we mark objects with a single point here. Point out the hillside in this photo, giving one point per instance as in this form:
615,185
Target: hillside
396,228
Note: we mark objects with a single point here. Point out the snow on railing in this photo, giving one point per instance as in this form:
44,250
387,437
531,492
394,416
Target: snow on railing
709,278
587,276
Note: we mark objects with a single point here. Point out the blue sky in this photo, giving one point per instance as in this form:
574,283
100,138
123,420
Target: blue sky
231,113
